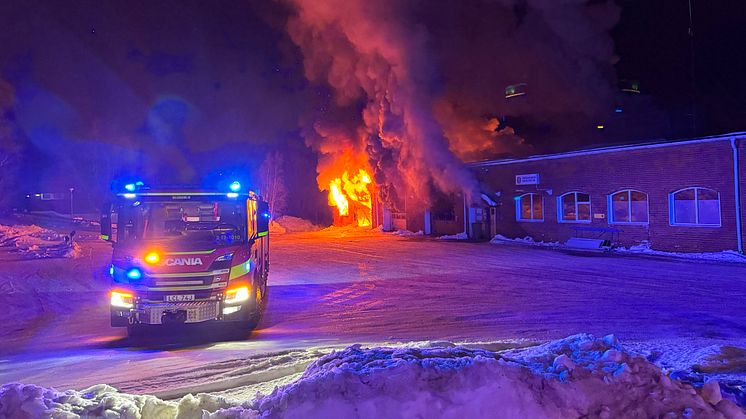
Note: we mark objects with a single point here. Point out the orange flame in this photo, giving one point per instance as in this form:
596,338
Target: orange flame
346,192
337,198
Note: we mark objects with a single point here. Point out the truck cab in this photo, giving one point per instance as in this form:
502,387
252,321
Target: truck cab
185,255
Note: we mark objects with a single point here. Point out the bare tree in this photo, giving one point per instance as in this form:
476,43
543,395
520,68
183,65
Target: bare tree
9,148
273,183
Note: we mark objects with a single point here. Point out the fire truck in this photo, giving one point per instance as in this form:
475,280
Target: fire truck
185,255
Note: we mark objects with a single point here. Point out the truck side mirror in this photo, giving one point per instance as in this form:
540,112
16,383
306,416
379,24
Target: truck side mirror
106,232
262,218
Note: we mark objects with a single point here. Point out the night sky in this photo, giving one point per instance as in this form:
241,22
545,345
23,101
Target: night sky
178,91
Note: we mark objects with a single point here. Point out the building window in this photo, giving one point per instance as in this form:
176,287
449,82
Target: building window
529,207
695,207
444,215
574,207
628,207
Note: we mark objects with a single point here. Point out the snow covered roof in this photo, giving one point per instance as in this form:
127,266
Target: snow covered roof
609,149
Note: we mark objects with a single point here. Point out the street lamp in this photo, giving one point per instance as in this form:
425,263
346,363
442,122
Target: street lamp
71,203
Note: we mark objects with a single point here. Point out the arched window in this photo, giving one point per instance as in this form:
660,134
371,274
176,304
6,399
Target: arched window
628,207
574,207
529,207
694,207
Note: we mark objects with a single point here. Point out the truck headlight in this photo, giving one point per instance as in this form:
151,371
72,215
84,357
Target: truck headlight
237,295
122,299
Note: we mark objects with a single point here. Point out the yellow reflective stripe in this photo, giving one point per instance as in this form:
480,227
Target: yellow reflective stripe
200,252
189,274
263,233
238,271
104,237
190,288
181,275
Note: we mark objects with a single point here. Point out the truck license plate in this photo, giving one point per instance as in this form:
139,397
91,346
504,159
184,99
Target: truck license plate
179,298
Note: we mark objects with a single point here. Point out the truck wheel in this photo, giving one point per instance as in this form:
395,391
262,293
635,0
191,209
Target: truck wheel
260,298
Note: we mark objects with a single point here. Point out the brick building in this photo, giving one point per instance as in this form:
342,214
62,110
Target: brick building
683,196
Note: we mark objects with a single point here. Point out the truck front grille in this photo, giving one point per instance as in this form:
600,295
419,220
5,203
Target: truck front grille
196,311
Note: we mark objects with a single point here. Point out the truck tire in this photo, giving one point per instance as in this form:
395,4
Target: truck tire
260,298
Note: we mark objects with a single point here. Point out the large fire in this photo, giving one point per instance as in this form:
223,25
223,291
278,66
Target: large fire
352,196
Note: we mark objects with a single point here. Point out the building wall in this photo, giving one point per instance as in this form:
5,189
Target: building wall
741,144
655,171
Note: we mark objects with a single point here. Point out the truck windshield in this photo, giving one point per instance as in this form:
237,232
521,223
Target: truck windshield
206,223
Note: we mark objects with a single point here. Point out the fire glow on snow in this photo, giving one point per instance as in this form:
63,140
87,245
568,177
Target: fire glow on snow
573,377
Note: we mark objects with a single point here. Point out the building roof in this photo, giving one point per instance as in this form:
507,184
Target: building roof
609,149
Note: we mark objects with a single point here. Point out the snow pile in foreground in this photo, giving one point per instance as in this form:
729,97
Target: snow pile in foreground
37,242
500,239
577,376
724,256
290,224
29,401
459,236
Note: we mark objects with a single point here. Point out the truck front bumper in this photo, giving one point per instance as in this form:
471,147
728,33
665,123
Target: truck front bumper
175,313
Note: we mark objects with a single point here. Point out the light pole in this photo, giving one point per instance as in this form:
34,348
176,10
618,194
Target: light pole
71,203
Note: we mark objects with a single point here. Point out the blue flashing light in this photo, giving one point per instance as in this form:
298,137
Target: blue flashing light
618,109
265,215
139,183
247,265
130,195
134,273
231,195
130,187
235,186
111,271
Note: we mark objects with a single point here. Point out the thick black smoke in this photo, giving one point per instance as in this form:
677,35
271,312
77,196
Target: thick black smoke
423,82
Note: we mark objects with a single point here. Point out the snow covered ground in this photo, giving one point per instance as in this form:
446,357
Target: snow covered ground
290,224
337,287
32,241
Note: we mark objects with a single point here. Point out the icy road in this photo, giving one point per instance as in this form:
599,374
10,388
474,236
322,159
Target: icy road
333,288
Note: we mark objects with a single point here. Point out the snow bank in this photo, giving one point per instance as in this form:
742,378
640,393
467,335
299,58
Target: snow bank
407,233
500,239
724,256
29,401
289,224
37,242
580,376
642,248
459,236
